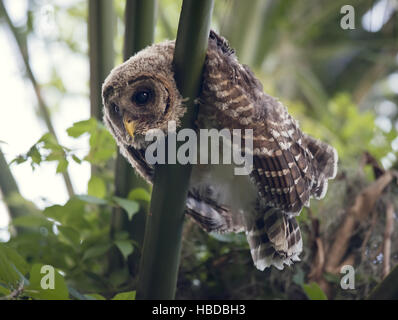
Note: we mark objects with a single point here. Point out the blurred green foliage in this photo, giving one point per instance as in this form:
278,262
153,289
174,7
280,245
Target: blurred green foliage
350,130
74,237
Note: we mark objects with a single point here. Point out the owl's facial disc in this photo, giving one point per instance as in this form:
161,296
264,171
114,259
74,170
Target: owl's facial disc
140,101
143,103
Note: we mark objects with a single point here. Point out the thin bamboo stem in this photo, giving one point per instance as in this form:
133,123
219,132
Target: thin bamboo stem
101,49
140,25
139,33
9,188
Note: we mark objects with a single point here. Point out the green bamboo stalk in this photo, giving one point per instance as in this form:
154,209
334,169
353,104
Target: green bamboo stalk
41,103
162,243
9,188
168,30
238,25
101,20
387,289
272,13
139,33
8,184
140,25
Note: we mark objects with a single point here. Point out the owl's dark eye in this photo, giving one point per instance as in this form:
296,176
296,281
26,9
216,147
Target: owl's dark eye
115,109
141,97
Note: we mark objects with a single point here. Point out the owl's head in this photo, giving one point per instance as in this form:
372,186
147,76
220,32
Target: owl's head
141,94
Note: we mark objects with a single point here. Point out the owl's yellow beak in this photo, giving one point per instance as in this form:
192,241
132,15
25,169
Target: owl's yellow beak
130,125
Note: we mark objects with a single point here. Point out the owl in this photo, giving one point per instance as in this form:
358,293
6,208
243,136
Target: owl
289,166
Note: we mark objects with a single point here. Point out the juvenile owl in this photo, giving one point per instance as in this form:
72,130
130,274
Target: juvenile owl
289,167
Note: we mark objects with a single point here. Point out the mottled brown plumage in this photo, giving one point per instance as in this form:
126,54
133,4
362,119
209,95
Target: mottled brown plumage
289,167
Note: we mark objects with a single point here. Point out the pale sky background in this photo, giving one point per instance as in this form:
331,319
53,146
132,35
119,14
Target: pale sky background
19,125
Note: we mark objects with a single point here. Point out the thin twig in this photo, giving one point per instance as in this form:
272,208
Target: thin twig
368,234
15,293
387,238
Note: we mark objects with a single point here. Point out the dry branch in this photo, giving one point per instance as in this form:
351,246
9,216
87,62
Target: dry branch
387,238
362,207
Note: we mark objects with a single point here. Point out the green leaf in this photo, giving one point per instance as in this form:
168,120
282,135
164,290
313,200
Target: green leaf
34,154
125,247
8,275
119,277
55,212
12,265
82,127
130,295
62,165
72,214
139,194
41,281
102,144
314,292
71,234
130,206
95,296
330,277
55,156
17,260
92,200
96,251
18,160
31,221
4,291
74,294
49,142
102,147
76,159
96,187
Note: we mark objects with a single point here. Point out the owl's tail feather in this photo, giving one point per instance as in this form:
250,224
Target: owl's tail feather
274,239
325,164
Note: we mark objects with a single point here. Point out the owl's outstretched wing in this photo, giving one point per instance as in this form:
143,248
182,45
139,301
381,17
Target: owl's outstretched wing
289,167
